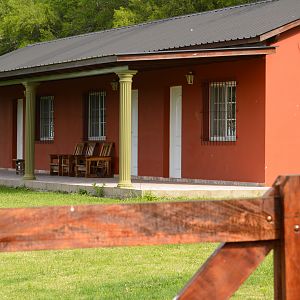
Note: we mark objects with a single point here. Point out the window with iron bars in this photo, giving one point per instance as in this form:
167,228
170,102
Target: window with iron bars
222,111
96,116
46,118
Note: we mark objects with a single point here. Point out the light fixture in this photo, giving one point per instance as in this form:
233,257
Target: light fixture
114,85
190,78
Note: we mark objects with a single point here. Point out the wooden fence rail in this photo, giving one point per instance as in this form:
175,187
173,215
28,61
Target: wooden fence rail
248,229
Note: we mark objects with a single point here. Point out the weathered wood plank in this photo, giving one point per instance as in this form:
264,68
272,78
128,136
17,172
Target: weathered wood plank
136,224
278,290
290,254
224,272
193,54
277,250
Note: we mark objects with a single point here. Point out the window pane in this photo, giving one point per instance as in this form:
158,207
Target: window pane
96,119
222,111
46,118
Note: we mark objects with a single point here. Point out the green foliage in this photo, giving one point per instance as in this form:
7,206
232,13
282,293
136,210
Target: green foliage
24,22
149,197
99,190
24,197
139,11
82,16
83,192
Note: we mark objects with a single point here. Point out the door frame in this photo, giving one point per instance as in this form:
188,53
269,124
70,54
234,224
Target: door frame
20,129
134,125
175,155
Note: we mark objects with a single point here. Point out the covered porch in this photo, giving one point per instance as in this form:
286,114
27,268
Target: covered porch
159,80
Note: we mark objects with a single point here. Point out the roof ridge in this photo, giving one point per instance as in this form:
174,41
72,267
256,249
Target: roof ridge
217,10
150,22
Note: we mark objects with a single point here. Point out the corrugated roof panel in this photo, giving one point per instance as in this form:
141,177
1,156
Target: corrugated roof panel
226,24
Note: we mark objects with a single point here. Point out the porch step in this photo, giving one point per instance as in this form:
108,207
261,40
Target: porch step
140,188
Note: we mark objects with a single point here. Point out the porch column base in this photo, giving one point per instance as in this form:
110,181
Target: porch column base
125,79
125,184
29,177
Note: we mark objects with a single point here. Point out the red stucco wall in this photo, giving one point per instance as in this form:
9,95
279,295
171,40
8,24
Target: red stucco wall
242,161
283,107
8,102
68,115
153,123
239,161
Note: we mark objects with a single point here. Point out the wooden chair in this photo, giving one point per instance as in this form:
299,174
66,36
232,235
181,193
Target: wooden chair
67,160
100,166
55,164
80,160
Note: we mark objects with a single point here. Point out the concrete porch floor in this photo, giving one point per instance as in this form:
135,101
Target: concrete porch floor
140,187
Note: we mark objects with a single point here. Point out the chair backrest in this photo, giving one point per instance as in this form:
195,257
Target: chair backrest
90,149
79,149
106,149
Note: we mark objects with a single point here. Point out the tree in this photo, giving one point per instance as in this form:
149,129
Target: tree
24,22
139,11
82,16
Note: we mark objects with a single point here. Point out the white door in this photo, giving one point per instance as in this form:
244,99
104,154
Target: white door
20,129
175,131
134,132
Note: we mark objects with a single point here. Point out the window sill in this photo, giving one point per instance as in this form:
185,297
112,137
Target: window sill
44,142
219,142
97,139
220,139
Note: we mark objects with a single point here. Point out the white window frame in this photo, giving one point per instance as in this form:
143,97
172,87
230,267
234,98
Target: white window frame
47,118
96,116
225,91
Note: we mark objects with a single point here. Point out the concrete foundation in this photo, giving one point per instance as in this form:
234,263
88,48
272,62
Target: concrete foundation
140,187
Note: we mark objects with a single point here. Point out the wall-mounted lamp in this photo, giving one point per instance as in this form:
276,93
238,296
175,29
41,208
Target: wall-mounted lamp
190,78
114,85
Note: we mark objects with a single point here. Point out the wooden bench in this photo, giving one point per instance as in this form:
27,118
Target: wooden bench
63,164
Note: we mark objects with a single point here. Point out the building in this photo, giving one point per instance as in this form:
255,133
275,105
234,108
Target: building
212,95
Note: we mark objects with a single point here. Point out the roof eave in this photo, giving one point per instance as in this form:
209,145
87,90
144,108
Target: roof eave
63,66
33,74
192,54
279,30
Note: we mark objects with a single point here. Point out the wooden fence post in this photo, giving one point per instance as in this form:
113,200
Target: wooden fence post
287,253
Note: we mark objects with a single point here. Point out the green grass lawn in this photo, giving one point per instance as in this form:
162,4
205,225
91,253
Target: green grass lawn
156,272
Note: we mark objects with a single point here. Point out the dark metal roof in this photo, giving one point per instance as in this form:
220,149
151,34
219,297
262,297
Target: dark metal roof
228,24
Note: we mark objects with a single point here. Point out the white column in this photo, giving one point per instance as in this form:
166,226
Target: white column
125,79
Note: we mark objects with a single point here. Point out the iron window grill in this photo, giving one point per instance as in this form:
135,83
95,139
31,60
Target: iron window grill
96,116
222,111
46,118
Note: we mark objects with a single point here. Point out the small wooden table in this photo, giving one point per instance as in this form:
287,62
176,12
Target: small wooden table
62,164
107,166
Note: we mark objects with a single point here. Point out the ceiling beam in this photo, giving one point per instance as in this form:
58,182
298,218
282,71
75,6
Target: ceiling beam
62,76
184,54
